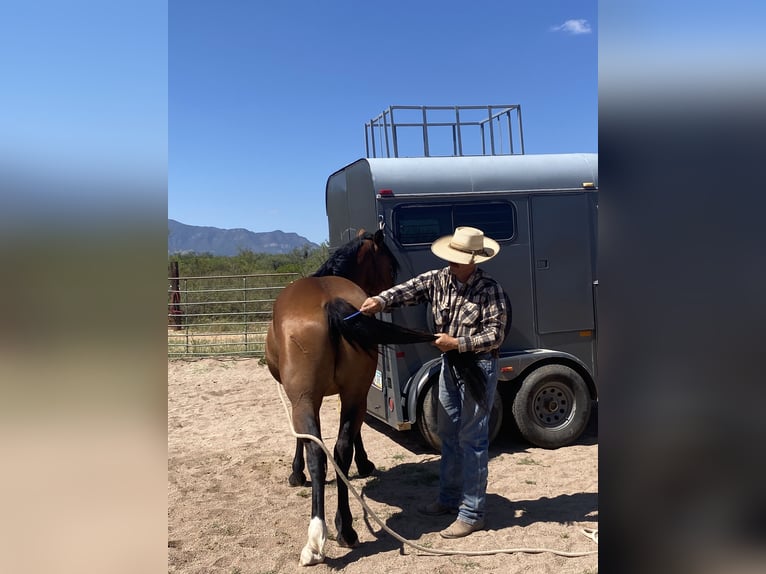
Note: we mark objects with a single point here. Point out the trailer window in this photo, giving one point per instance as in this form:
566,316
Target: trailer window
418,224
494,219
421,224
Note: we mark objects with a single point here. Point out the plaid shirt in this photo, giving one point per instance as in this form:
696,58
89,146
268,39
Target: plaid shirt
474,312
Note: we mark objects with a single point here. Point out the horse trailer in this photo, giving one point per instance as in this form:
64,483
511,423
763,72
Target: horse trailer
542,210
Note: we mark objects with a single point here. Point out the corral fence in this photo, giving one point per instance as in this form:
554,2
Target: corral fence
222,314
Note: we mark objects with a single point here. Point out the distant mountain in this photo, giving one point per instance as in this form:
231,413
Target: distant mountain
184,238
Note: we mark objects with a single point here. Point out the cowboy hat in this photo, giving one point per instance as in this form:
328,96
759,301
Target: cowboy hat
466,245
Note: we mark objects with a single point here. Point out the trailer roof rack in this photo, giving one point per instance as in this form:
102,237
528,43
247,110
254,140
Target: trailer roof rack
445,131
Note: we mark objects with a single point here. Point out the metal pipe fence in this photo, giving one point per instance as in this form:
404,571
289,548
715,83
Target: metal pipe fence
222,314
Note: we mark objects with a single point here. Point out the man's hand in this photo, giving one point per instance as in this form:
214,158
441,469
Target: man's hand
445,343
371,306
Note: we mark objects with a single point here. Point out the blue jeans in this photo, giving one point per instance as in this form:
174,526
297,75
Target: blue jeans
463,428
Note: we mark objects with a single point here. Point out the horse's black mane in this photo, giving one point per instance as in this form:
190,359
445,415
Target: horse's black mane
343,259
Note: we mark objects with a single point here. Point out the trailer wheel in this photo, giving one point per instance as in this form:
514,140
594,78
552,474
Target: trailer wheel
428,407
552,406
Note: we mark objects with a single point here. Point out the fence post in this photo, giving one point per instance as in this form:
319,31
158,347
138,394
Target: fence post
244,309
174,308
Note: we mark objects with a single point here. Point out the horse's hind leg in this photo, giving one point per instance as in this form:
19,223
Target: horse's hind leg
363,464
297,477
306,422
313,552
350,424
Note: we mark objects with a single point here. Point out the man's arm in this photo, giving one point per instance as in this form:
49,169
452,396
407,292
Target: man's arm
411,292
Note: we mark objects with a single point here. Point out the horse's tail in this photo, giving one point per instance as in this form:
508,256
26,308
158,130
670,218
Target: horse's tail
366,333
471,374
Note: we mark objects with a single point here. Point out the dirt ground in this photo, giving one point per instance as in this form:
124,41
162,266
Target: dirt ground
231,510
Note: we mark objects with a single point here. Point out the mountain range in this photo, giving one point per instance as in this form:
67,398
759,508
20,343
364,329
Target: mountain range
184,238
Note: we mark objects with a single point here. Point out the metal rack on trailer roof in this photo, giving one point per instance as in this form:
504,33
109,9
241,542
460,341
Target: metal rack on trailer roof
400,131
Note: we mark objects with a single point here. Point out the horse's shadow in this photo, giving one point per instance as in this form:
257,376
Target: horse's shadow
409,485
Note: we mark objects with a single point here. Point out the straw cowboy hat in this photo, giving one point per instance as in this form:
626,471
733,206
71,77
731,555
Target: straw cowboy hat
467,245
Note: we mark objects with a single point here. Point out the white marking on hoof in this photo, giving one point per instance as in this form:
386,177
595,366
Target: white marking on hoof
313,552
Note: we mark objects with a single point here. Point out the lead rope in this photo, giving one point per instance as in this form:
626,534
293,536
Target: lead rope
589,533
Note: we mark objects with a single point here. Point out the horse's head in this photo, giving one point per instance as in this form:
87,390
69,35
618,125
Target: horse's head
366,260
376,266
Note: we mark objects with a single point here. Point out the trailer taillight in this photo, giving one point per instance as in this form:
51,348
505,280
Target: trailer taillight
386,193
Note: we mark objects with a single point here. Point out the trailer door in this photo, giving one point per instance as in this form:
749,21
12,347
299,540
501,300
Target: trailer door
562,244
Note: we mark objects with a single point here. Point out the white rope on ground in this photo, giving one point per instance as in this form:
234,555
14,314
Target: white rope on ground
590,533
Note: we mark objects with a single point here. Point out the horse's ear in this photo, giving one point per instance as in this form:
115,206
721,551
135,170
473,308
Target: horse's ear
378,238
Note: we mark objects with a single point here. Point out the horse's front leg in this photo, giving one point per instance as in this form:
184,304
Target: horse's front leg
350,424
364,466
297,477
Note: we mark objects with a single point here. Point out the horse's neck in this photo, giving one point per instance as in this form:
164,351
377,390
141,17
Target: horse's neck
363,281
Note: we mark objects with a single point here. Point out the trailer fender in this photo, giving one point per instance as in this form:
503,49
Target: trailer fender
416,383
423,383
517,364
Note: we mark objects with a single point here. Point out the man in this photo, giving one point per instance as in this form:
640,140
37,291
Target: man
469,314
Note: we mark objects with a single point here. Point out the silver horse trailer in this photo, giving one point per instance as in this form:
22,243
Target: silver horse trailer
542,211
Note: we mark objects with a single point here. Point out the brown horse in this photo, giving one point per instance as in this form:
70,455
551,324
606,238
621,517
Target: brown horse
315,348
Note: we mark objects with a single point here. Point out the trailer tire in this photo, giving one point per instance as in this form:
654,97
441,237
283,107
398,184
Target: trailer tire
427,415
552,407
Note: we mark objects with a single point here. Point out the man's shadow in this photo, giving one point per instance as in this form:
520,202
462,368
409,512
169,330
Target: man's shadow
409,485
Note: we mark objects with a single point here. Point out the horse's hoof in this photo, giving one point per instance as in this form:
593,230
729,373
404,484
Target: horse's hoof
365,469
351,541
309,558
297,480
313,552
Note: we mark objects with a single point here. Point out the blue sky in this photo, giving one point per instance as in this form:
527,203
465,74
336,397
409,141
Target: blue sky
267,99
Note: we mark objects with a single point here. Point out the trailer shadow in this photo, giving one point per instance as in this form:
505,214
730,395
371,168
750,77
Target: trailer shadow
508,440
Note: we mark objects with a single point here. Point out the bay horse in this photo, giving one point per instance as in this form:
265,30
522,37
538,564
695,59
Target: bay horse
317,346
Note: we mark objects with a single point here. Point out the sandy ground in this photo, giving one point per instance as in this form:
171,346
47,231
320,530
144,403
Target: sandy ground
230,509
